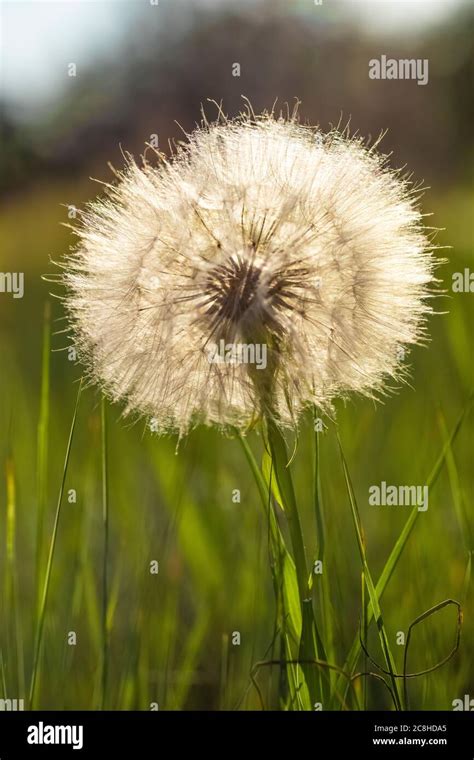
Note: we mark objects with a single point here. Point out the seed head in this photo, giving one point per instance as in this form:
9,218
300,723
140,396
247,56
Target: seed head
258,232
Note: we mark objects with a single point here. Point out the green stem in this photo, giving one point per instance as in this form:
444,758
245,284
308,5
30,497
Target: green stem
308,650
49,566
105,521
285,484
42,447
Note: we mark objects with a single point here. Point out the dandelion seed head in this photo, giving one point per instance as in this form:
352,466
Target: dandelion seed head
257,230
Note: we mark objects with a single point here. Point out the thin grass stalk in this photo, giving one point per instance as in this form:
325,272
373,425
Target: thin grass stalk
374,602
42,448
364,632
49,566
105,525
11,576
322,582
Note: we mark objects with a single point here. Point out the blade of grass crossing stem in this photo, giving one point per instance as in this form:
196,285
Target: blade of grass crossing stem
311,647
42,447
374,602
355,650
282,566
105,523
49,565
259,479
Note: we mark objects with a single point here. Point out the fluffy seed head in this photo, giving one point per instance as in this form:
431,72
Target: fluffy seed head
260,237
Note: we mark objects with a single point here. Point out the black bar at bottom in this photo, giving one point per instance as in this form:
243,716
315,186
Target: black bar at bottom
151,734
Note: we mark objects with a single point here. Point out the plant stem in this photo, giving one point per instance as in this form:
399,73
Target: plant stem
308,650
105,522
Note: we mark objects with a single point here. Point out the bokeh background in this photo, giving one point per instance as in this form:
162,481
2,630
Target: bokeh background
144,70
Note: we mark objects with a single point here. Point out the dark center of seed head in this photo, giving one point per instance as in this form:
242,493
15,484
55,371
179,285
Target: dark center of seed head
231,289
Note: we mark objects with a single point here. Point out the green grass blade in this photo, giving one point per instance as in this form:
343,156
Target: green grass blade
271,482
256,472
11,575
456,491
387,572
42,447
3,678
321,582
105,523
49,566
188,659
374,601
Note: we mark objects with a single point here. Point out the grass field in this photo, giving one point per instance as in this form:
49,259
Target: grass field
133,575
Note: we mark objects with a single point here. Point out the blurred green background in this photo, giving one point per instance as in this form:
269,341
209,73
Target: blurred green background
143,69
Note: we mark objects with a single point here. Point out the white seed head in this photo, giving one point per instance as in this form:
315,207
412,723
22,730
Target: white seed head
258,231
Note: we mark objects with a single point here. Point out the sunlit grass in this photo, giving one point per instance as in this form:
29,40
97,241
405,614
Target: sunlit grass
145,640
